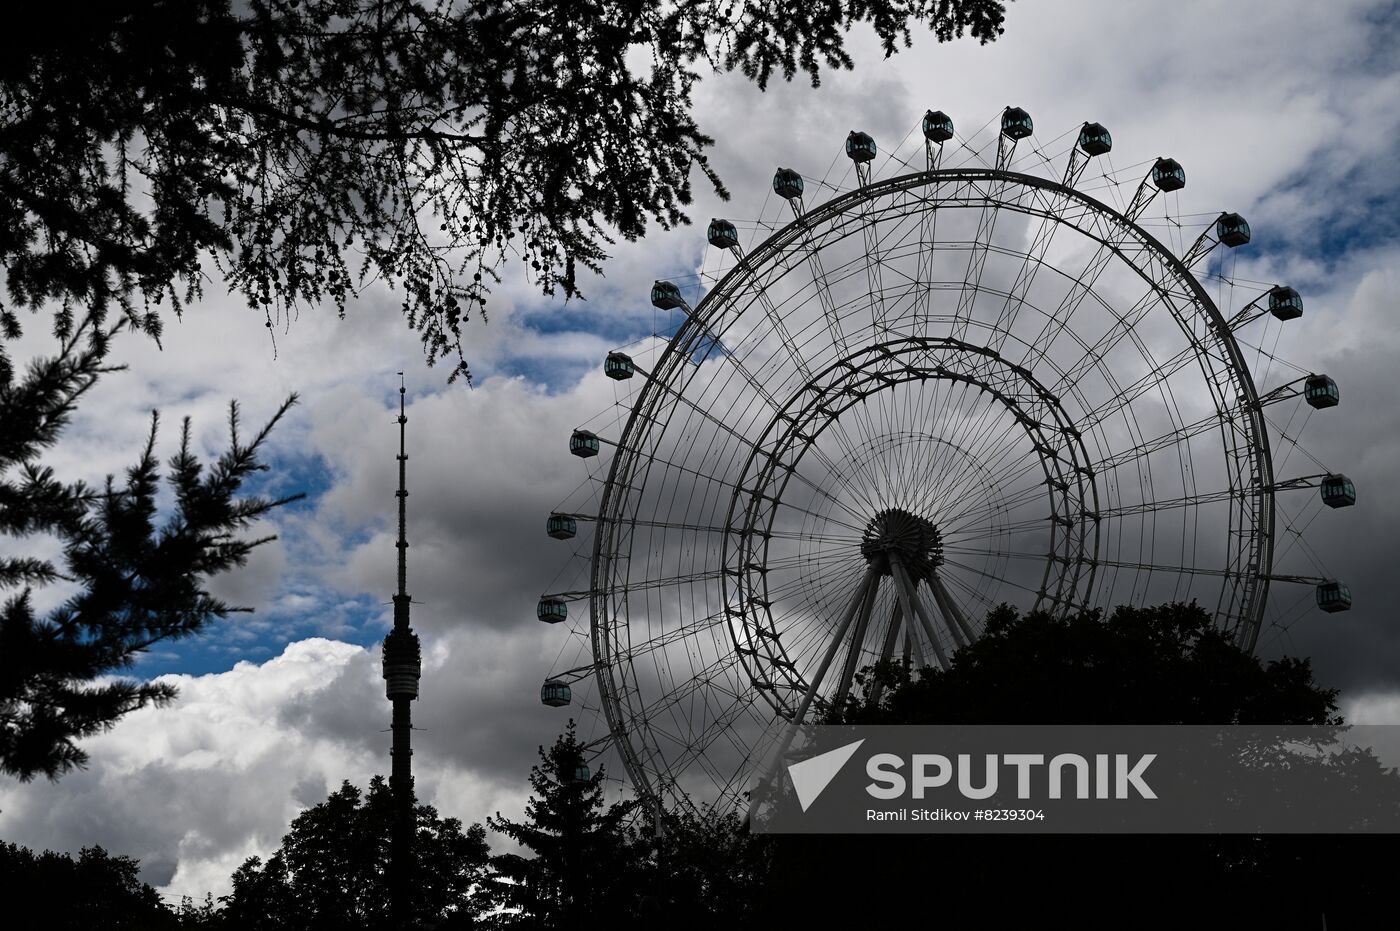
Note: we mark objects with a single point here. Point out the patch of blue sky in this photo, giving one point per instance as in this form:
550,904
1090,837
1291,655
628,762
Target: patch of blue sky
615,330
610,323
556,376
293,471
255,637
1361,213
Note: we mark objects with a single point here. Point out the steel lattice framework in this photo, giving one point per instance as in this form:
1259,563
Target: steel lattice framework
928,396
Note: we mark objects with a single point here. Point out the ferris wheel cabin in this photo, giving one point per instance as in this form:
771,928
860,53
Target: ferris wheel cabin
1338,491
1285,303
618,366
938,126
1333,596
561,527
722,234
1232,230
552,610
1321,391
582,773
860,147
583,444
1094,139
1016,123
555,694
787,183
1168,175
666,296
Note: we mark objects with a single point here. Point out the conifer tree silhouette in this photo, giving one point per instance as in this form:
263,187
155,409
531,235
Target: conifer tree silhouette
587,860
139,581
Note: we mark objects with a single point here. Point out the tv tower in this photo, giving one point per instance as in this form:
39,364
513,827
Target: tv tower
403,666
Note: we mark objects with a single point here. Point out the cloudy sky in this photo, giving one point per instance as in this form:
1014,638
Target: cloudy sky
1287,112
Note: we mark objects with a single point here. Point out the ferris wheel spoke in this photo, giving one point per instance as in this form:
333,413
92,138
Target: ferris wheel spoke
1006,493
759,292
1123,327
874,284
818,275
926,262
824,492
1031,263
863,473
664,638
1172,504
835,472
1158,376
845,481
949,582
1006,470
1208,571
971,427
708,477
958,521
971,528
967,567
1165,441
681,526
970,551
1058,320
976,260
989,462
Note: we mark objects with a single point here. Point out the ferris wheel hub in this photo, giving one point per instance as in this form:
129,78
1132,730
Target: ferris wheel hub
895,534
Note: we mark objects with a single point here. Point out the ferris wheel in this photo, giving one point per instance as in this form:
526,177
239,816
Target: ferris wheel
973,382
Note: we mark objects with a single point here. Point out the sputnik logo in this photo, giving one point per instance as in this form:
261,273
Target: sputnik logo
811,776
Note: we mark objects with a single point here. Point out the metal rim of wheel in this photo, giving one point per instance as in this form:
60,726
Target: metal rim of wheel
930,395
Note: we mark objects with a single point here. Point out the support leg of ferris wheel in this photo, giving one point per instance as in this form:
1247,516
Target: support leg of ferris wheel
948,606
913,608
959,639
848,671
790,732
887,652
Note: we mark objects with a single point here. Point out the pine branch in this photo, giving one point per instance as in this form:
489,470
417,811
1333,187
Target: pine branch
140,582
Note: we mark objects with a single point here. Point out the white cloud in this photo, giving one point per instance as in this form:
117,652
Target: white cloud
194,789
1372,708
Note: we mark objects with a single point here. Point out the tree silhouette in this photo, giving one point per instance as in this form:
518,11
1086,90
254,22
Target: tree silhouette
331,871
309,146
54,892
1165,664
587,861
138,581
710,872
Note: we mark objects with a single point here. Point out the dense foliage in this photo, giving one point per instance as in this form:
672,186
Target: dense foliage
55,892
297,151
1165,664
331,871
308,147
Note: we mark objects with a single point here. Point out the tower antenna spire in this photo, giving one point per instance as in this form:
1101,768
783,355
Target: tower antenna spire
402,668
